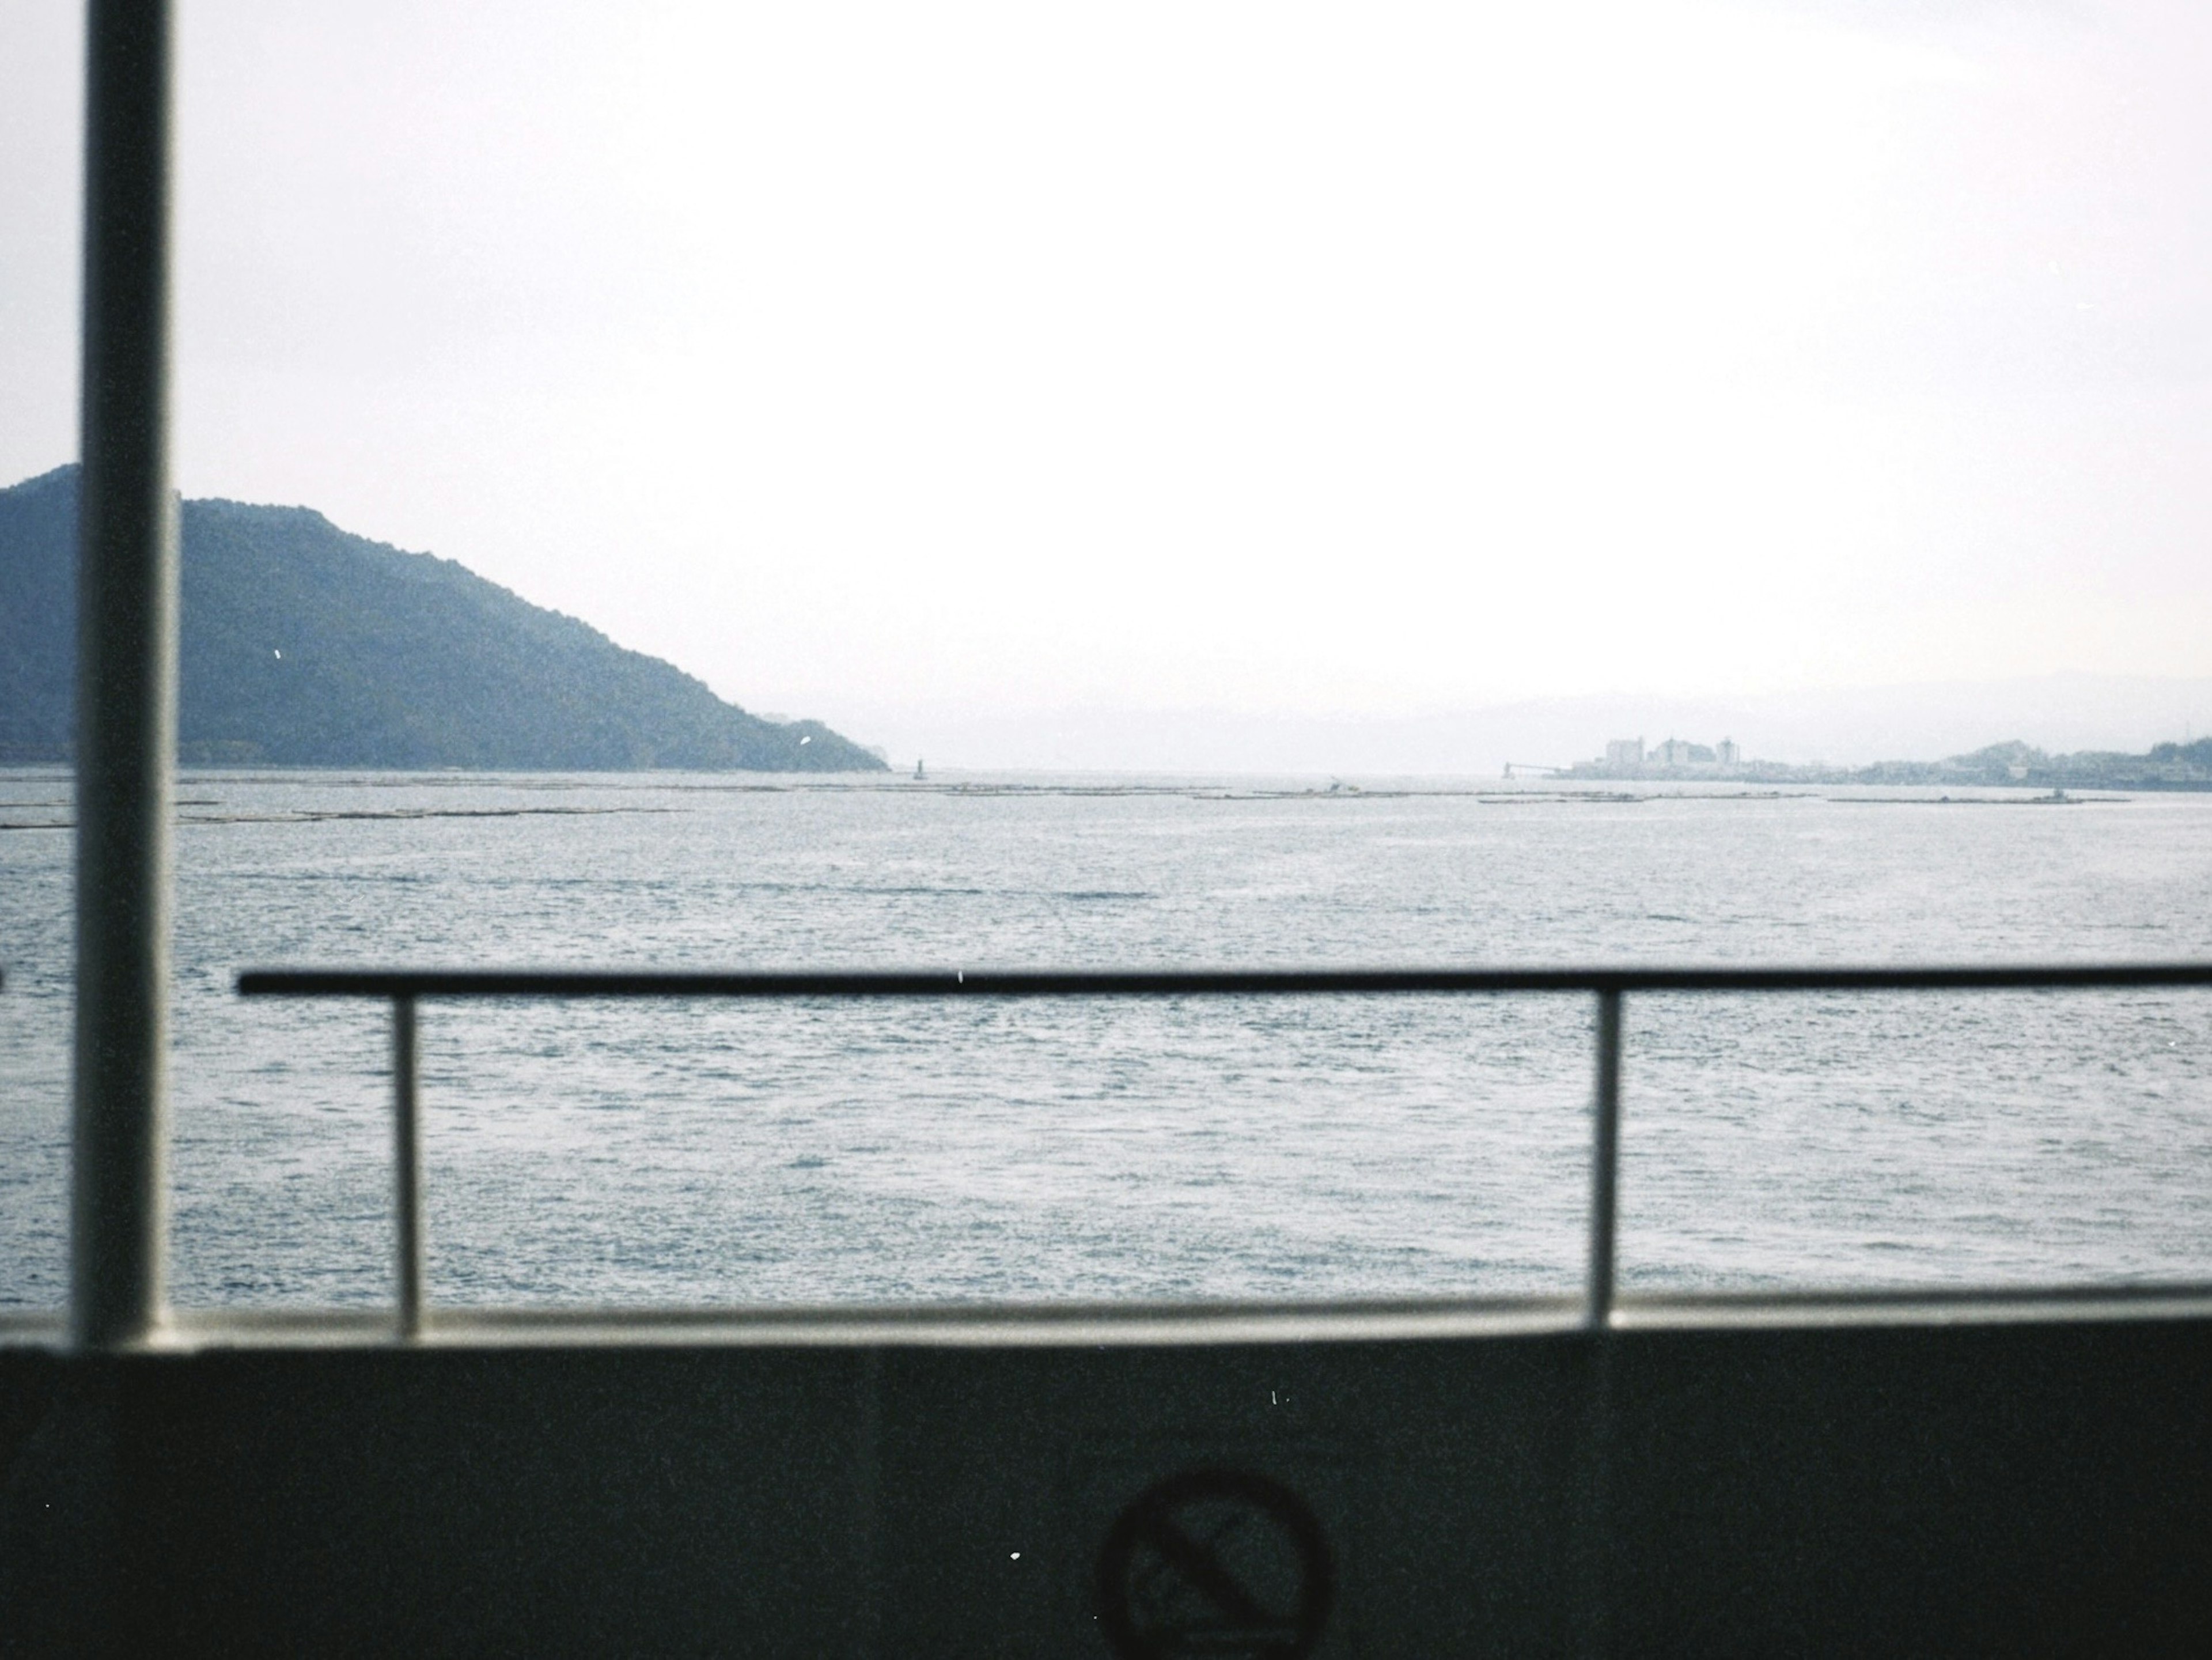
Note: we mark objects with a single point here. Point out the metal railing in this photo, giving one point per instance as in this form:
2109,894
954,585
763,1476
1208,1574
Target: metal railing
405,988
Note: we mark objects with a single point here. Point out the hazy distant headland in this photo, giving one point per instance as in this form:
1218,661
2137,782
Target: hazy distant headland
2165,766
1831,730
305,646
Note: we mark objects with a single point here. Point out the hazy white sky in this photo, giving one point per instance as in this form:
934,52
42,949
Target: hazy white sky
1276,358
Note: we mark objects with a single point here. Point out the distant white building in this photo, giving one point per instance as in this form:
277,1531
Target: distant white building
1631,757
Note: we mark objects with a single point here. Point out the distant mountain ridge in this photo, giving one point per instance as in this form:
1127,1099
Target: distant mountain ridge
303,644
1839,728
2164,766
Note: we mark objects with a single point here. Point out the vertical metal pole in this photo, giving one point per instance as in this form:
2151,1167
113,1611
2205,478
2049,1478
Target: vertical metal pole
1593,1618
1605,1163
407,1167
126,686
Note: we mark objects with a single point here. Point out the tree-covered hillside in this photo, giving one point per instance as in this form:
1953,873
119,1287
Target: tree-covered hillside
303,646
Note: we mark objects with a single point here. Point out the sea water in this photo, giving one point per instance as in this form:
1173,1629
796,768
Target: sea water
821,1152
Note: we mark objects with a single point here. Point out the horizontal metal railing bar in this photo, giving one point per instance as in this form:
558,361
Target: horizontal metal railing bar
403,989
1091,1322
1196,983
1564,1301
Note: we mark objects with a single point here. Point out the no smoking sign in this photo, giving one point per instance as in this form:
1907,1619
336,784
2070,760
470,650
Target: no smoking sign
1218,1563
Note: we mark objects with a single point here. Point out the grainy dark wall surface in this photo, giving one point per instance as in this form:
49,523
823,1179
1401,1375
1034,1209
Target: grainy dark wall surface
2016,1489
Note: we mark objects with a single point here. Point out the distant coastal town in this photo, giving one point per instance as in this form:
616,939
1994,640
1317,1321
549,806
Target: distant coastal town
2186,766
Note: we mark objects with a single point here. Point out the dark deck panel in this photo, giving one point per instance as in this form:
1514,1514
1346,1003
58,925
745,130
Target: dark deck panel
2023,1486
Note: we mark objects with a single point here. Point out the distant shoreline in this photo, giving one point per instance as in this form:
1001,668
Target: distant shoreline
999,784
2185,766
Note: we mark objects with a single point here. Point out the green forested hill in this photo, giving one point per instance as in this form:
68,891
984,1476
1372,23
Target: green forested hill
303,646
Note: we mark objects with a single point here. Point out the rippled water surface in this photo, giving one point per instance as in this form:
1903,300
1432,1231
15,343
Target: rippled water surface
672,1152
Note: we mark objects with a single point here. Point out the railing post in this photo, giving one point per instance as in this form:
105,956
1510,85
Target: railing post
1594,1608
407,1167
1605,1162
126,687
